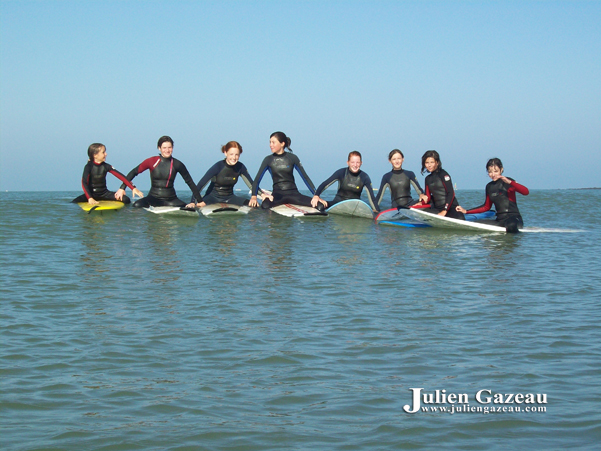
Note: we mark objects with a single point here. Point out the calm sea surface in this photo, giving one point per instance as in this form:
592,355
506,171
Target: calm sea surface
126,330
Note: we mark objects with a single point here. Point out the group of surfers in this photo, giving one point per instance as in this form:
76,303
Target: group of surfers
438,196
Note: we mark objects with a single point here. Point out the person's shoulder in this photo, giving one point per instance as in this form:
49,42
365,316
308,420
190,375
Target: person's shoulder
409,173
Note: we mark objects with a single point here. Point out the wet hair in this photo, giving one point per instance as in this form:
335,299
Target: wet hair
431,154
392,152
494,162
281,137
163,140
94,149
228,146
354,153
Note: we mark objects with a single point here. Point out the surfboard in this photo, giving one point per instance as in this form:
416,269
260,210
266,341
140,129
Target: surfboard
102,205
292,211
224,209
435,220
352,207
181,211
407,223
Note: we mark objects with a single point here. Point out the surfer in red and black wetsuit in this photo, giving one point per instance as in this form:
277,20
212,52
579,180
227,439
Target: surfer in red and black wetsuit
163,170
439,188
93,180
501,193
351,181
281,165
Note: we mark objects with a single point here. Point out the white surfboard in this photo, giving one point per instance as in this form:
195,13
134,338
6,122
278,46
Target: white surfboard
224,209
179,211
435,220
292,211
352,207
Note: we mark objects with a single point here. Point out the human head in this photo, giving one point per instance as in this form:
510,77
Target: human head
494,167
431,154
354,161
165,146
282,139
94,149
396,158
232,151
164,139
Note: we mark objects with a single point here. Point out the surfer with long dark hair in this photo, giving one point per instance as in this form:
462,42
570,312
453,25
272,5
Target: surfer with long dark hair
439,188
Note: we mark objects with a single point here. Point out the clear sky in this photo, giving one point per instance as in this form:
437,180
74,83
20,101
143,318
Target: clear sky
517,80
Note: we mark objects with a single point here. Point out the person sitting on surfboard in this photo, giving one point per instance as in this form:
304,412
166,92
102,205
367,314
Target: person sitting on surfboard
163,170
281,165
223,176
93,180
400,181
351,181
501,193
439,188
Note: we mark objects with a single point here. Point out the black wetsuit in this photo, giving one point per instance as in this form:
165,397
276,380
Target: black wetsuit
439,190
502,195
93,183
223,177
284,188
399,182
162,174
350,186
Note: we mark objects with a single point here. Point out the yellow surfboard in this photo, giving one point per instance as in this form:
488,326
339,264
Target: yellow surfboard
101,205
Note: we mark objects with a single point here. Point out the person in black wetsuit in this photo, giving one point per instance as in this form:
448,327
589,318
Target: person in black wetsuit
93,180
400,181
223,175
439,188
281,165
163,170
501,193
351,181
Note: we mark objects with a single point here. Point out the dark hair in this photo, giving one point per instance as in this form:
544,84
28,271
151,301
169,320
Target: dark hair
494,162
393,151
231,144
354,153
163,140
94,149
431,154
281,137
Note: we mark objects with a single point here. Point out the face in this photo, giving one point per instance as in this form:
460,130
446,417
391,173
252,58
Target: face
494,172
354,163
397,161
232,156
276,146
431,164
166,149
100,156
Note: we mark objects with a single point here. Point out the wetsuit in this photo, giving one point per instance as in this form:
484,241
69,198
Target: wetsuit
284,188
162,174
93,183
399,182
440,192
350,186
502,195
223,177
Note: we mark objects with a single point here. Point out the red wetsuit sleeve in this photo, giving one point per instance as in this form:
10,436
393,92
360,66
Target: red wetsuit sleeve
85,181
481,209
520,188
122,178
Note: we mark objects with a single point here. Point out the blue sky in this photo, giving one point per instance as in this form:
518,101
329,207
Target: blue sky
517,80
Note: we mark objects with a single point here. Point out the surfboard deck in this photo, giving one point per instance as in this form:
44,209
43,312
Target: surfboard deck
224,209
435,220
352,207
180,211
397,215
293,211
102,205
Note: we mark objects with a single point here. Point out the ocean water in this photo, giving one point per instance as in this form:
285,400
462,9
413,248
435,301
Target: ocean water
125,330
